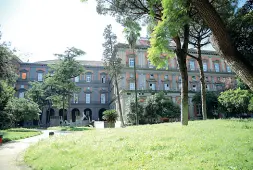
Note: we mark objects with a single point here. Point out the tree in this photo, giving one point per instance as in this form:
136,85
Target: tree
112,63
250,107
159,105
110,116
199,34
211,103
241,84
168,28
131,112
7,57
22,109
37,93
223,42
6,93
60,83
132,32
235,101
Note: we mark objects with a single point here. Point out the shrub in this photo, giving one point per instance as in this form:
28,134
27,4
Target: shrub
110,116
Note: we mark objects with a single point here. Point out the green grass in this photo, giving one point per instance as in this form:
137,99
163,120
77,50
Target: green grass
18,133
211,144
69,128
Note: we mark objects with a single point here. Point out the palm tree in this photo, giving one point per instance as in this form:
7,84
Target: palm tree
132,32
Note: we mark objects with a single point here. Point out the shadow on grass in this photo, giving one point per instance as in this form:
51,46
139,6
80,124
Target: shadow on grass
75,129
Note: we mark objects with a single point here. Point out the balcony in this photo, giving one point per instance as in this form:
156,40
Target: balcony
91,103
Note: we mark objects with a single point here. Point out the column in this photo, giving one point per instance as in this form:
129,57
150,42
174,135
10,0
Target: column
210,63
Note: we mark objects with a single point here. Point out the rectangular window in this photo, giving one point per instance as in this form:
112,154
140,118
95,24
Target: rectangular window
88,78
102,97
166,87
77,79
194,87
204,66
23,76
131,62
193,78
152,86
217,67
21,94
75,98
132,86
150,65
151,76
22,86
88,88
228,69
192,65
103,79
87,97
40,76
207,87
179,78
179,86
166,77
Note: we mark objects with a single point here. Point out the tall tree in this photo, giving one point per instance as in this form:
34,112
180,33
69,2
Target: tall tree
112,62
199,37
170,23
61,81
223,42
132,32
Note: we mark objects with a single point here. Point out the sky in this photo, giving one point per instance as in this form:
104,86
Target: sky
40,28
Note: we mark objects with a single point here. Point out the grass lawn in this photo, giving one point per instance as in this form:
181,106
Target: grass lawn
211,144
69,128
18,133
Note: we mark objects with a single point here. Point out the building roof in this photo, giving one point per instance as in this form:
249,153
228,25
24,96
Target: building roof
83,62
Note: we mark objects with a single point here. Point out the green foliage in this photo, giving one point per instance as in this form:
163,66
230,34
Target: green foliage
111,62
211,103
251,104
110,116
158,105
235,101
131,112
7,61
60,85
241,84
241,31
22,109
37,93
6,93
132,31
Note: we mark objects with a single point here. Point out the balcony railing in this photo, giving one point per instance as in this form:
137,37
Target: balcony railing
91,103
80,81
146,66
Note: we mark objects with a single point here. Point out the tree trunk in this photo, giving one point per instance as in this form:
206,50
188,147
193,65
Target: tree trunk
135,89
63,105
224,47
118,96
203,86
181,59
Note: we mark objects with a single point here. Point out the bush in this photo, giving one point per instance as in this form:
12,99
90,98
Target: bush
110,116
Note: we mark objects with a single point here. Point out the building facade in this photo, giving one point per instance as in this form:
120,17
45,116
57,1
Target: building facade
218,77
99,94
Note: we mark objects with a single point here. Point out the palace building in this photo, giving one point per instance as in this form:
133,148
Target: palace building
99,94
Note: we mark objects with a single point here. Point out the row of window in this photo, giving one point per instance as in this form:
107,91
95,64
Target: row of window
39,76
87,98
191,65
77,79
88,78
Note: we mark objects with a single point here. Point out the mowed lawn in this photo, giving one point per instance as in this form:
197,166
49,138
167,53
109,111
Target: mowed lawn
211,144
18,133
